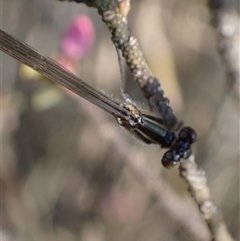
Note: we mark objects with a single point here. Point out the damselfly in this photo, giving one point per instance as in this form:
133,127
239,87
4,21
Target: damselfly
146,127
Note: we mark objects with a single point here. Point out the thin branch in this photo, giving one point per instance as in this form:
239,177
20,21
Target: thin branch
197,182
226,22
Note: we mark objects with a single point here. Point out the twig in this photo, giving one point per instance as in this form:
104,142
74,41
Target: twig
226,22
197,181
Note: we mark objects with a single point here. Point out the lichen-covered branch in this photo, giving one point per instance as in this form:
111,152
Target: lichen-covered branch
115,18
197,182
226,21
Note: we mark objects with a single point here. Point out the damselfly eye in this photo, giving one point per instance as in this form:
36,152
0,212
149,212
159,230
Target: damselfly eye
170,159
188,134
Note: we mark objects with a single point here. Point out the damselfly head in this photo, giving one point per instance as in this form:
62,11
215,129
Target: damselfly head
181,148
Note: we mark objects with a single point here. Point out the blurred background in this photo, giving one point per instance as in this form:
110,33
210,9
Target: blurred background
62,175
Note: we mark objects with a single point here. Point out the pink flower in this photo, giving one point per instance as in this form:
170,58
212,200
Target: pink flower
78,38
